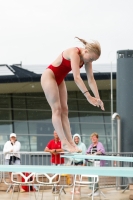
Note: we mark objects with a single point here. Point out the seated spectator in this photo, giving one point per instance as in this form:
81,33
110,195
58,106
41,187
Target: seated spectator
95,148
12,156
79,162
54,147
81,146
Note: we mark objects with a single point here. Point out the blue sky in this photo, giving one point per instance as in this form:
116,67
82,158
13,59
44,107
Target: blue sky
36,31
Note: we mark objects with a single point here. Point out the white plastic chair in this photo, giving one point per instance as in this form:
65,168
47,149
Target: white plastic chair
27,180
6,179
82,181
47,180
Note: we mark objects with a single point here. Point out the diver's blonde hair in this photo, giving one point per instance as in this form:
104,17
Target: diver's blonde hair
92,46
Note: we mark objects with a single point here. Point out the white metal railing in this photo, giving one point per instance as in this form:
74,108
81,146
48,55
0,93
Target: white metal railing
37,158
43,158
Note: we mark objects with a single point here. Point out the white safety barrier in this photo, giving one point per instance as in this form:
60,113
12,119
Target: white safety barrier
107,173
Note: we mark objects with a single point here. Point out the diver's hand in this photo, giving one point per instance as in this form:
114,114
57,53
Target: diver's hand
100,103
95,102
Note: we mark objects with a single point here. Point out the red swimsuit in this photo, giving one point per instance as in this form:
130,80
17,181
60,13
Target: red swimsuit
62,70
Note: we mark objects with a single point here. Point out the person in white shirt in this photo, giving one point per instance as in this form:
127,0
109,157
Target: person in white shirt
12,156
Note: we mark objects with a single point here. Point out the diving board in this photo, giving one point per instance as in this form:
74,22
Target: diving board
99,157
101,171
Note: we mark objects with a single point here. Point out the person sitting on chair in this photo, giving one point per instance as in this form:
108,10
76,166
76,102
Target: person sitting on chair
12,156
79,162
54,147
95,148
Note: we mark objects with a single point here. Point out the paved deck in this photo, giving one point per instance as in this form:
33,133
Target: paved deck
109,193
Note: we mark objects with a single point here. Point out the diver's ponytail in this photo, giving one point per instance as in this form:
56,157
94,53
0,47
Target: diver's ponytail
91,47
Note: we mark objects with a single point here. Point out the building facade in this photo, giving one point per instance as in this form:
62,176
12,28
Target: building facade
25,111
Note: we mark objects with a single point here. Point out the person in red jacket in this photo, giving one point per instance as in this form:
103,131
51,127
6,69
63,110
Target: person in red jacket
54,147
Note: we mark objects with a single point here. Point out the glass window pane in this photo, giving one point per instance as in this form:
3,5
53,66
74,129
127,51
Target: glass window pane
5,119
32,118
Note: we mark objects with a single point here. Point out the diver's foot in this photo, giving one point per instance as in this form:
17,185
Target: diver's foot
75,147
68,147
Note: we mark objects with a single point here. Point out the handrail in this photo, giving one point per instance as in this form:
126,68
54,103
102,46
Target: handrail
117,116
47,153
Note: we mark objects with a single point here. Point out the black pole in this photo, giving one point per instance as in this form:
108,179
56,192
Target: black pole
125,97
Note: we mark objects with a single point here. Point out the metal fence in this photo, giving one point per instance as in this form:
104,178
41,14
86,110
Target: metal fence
37,158
44,158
